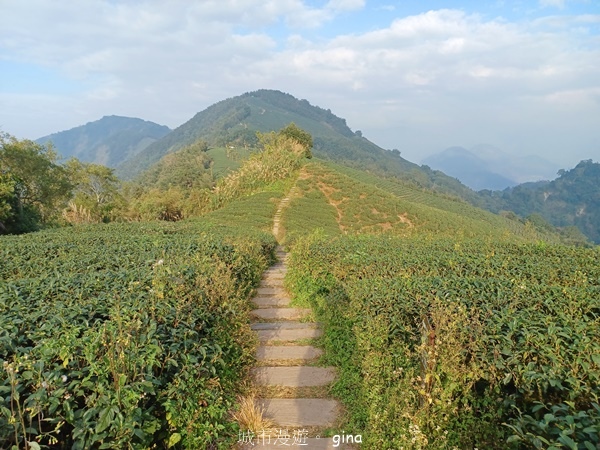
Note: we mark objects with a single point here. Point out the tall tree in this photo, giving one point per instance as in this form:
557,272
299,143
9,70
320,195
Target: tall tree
34,187
96,191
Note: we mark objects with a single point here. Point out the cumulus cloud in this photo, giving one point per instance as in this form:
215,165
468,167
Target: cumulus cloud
345,5
555,3
471,78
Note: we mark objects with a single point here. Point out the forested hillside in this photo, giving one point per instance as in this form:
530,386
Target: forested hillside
108,141
572,199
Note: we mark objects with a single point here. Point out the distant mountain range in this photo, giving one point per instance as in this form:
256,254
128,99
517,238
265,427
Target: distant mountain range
487,167
134,145
108,141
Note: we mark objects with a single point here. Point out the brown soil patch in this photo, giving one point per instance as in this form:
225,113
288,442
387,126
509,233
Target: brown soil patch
303,175
327,190
362,196
404,219
386,226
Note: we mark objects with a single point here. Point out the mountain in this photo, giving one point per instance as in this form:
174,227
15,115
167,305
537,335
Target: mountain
487,167
468,168
572,199
234,122
108,141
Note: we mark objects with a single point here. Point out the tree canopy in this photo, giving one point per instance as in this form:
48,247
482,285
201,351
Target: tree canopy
302,137
32,184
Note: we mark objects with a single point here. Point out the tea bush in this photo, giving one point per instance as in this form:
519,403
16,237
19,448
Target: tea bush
458,344
126,335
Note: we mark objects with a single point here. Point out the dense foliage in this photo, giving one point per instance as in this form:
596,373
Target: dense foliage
126,335
33,186
96,195
573,199
459,344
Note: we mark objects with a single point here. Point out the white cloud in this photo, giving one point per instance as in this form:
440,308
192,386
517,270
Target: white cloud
461,74
345,5
554,3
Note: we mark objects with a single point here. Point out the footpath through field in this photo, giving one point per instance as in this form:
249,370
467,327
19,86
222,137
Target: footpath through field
292,389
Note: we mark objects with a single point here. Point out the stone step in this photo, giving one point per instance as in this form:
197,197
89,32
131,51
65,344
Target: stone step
295,376
274,274
273,278
274,284
300,412
266,291
270,302
277,272
288,334
287,352
281,313
283,325
272,281
277,267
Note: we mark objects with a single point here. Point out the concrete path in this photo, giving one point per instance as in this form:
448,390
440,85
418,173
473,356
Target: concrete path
293,390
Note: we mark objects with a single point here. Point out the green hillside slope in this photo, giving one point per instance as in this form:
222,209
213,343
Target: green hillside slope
347,201
233,123
108,141
573,199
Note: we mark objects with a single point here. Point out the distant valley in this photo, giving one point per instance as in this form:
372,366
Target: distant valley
488,167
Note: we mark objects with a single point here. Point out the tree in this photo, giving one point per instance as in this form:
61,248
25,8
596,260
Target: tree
188,168
33,187
302,137
96,191
7,195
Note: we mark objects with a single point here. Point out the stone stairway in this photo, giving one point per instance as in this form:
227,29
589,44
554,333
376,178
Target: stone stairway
292,389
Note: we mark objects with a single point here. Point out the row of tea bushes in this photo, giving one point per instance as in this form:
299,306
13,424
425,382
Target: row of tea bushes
445,344
126,335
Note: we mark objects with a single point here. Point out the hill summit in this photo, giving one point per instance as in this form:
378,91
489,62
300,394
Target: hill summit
108,141
235,121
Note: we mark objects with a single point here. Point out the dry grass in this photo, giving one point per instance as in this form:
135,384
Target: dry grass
249,415
294,392
314,362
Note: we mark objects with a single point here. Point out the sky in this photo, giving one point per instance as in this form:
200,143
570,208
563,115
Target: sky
414,75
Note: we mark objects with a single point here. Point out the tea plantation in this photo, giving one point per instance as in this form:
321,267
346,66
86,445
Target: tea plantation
128,335
450,327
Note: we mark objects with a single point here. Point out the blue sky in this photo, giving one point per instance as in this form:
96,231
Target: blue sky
419,76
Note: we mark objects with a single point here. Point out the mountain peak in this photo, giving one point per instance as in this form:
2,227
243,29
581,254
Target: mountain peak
235,121
109,140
